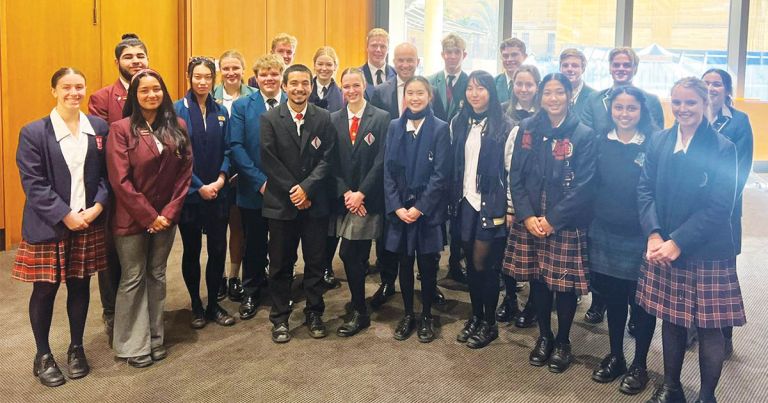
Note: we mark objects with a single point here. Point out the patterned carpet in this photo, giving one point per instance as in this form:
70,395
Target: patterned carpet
241,364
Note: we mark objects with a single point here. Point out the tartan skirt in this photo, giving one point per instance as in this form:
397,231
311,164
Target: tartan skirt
80,255
704,294
560,260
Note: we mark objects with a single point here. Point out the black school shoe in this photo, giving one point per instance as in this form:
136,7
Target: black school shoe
486,333
610,369
634,381
47,371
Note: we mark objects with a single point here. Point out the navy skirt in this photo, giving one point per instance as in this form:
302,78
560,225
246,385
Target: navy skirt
471,226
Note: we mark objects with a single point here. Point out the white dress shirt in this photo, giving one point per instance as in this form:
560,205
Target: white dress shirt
74,149
299,123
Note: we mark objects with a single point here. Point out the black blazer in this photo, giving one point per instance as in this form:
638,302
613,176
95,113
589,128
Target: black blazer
290,160
360,165
385,97
693,207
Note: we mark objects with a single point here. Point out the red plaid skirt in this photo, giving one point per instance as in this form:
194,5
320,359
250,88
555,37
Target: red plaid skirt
559,260
80,255
704,294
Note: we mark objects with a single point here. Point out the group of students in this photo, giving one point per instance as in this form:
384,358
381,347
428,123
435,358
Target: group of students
541,180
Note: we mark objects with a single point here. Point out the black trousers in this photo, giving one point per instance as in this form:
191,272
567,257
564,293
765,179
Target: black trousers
388,261
255,258
355,254
215,229
331,243
284,238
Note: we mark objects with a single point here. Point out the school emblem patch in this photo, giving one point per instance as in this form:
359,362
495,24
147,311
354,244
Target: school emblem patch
640,159
562,149
316,142
99,142
369,138
527,140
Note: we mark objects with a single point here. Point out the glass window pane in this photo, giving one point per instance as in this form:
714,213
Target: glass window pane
674,42
756,81
549,26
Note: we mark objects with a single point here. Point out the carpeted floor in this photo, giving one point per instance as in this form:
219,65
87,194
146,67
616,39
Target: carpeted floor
241,363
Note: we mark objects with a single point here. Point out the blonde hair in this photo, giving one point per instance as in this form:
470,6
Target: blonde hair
573,52
453,41
232,54
269,61
625,50
284,38
696,85
326,51
376,32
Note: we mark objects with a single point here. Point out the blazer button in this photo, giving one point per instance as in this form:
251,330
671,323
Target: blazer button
483,218
483,203
303,169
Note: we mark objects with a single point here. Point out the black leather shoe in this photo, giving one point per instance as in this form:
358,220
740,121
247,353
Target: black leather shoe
235,290
634,381
457,272
77,363
316,326
355,325
486,333
405,327
595,313
219,315
439,297
561,358
426,332
47,371
527,318
508,309
329,279
222,292
667,394
728,348
159,353
280,333
381,295
610,369
541,352
470,327
249,306
140,361
198,318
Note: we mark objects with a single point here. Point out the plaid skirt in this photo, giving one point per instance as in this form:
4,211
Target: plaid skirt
559,260
704,294
80,255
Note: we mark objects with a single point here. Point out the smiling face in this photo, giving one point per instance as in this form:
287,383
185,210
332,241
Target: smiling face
477,96
353,88
325,68
687,107
554,100
416,96
69,91
132,60
149,93
524,87
453,57
406,61
716,90
377,49
298,87
622,70
269,81
231,71
573,68
201,80
286,51
626,111
512,58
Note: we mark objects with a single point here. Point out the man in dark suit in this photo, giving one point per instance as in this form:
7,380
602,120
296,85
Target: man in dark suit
107,103
513,55
376,70
450,86
244,143
573,63
298,142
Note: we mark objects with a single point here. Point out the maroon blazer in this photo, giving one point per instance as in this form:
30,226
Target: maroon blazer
146,183
107,103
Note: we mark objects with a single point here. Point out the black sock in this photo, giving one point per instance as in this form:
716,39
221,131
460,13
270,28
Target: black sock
191,237
491,280
542,298
428,264
41,313
711,357
78,298
566,310
673,339
473,281
728,332
510,286
645,327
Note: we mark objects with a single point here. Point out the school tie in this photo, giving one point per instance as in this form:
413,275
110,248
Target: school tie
510,86
379,80
354,128
272,103
322,92
299,123
449,89
412,133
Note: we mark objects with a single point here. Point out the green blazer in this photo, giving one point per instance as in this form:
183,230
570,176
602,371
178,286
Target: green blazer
438,82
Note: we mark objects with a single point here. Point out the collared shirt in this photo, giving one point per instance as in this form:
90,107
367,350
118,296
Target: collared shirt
679,146
519,107
126,84
638,138
299,123
276,98
410,126
471,159
74,149
374,69
455,77
322,90
227,100
400,95
577,92
358,115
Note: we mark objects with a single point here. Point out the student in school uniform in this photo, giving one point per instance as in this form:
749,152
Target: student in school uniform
686,196
61,165
513,55
417,170
573,63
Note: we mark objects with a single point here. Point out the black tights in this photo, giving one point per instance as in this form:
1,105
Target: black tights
428,268
41,310
483,262
191,237
711,356
566,310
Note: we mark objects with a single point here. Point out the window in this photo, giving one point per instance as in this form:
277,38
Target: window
673,42
756,80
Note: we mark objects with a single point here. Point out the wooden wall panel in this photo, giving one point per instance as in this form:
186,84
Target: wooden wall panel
157,25
38,38
306,20
216,26
347,23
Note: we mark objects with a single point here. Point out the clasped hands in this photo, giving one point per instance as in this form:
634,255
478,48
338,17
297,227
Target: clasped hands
78,221
160,224
408,216
299,198
660,251
211,190
538,226
354,202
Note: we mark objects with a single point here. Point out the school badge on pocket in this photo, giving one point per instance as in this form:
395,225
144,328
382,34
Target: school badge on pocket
99,142
222,119
369,138
316,142
562,149
640,159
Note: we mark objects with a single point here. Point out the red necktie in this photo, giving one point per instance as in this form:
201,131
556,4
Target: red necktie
449,89
353,129
299,116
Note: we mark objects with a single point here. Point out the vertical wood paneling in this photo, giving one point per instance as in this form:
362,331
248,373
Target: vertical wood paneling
306,20
347,23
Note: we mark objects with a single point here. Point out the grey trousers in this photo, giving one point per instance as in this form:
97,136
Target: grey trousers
141,295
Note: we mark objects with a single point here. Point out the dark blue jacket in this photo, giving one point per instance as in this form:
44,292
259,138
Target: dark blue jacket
332,102
389,72
46,181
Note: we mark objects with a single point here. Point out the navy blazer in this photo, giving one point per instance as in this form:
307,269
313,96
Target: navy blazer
244,143
596,115
46,181
332,102
385,97
692,207
389,73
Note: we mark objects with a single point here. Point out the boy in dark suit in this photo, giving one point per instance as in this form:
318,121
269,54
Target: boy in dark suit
297,147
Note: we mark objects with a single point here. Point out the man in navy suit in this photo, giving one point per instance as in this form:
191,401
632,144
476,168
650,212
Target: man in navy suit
376,70
244,140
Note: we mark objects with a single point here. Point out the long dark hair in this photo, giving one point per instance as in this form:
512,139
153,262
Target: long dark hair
166,126
198,60
727,83
495,115
645,125
541,114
